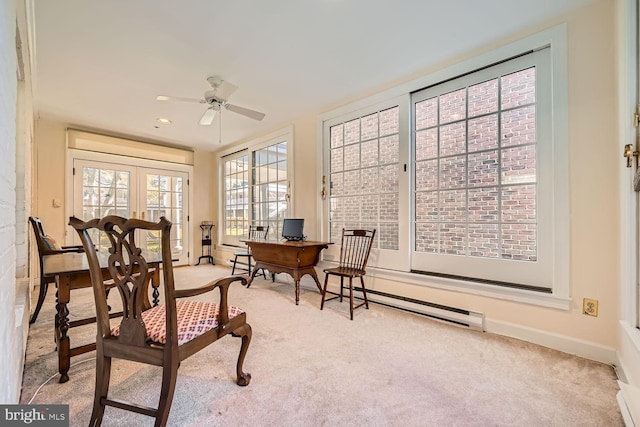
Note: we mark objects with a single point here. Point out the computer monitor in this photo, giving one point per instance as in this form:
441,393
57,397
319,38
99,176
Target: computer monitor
292,229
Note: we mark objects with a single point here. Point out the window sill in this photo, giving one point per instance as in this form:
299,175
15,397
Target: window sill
456,285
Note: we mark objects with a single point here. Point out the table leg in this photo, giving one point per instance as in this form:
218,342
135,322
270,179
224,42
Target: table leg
313,274
297,275
62,326
253,274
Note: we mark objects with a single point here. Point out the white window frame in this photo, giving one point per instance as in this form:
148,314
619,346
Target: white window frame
247,148
224,238
536,274
556,39
382,258
628,93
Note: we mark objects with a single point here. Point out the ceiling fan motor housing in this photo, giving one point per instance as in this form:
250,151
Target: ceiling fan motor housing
211,98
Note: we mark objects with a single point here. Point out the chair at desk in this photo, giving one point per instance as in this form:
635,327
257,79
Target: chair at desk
354,253
46,246
163,335
256,232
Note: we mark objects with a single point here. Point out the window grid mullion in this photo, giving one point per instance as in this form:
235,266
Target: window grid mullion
499,188
466,190
439,223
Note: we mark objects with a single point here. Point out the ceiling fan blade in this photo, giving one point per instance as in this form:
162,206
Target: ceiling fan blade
179,98
221,88
208,116
256,115
225,89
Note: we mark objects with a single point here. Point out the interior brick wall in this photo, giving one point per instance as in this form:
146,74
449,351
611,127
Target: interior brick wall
10,359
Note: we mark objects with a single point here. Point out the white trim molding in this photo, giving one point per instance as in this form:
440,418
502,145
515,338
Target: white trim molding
567,344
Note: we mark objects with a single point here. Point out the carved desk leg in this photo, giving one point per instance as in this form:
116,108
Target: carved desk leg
313,274
297,290
62,326
257,267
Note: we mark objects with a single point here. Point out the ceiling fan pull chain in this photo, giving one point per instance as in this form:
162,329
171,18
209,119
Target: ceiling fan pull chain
220,127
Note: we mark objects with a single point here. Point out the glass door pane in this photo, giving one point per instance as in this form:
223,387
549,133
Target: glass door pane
164,193
102,189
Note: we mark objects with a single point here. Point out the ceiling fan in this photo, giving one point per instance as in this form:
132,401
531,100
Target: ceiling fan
217,99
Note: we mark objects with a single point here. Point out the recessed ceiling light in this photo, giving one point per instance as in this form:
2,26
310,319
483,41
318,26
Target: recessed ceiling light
163,121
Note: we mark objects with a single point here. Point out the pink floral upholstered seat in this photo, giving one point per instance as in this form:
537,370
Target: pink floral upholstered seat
194,319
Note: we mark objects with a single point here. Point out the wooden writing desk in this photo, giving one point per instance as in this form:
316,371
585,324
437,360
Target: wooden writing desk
71,271
295,258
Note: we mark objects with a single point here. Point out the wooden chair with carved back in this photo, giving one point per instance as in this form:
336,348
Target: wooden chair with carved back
354,254
47,245
163,335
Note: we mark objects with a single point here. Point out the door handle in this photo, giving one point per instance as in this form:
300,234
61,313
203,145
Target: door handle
630,153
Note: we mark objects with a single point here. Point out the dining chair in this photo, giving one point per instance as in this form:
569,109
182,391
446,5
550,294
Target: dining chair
256,232
47,245
162,335
354,253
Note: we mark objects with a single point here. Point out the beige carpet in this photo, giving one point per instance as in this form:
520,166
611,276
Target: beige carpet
318,368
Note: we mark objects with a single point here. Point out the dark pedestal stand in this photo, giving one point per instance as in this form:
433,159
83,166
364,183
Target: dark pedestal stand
206,243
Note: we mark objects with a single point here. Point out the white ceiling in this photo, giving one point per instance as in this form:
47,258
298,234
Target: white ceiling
100,64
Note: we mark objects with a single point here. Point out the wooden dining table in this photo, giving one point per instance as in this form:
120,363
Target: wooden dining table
71,271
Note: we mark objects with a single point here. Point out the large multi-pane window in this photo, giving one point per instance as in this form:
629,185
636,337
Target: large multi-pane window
462,188
477,188
269,188
257,187
236,196
475,169
363,176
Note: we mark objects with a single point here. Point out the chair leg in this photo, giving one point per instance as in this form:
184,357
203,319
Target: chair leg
364,292
44,287
106,292
103,376
351,297
244,332
169,377
235,259
324,290
341,287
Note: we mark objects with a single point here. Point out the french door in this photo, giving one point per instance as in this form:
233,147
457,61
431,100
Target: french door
103,188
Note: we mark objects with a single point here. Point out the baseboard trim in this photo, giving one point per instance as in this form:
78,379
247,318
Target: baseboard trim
629,402
588,350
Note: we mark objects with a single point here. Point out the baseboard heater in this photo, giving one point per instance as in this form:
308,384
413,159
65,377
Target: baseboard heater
470,319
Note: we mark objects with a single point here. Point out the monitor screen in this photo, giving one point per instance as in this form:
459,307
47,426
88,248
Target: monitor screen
292,228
